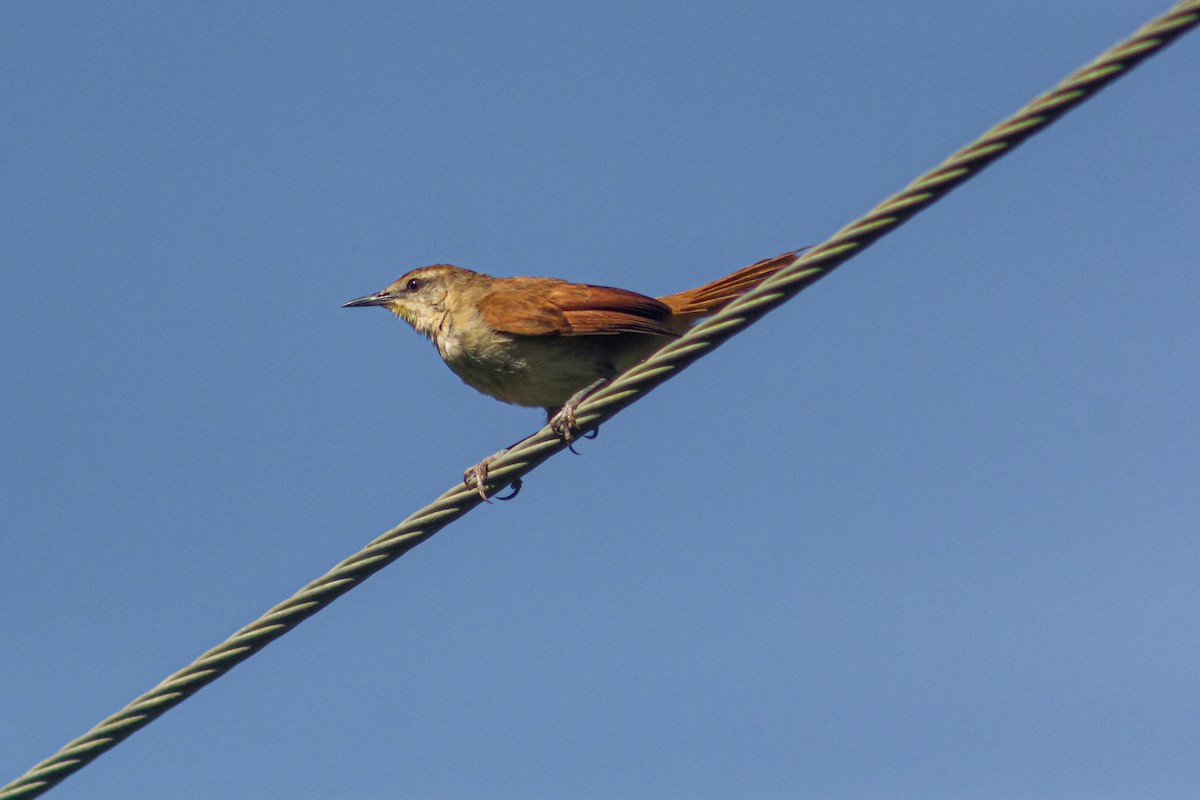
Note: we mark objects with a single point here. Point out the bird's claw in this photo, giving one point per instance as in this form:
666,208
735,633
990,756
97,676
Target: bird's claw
564,424
565,427
516,490
477,476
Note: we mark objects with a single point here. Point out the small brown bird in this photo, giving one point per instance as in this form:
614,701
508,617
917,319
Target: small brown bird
544,342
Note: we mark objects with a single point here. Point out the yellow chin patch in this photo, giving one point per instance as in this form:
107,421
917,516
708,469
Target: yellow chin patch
401,312
415,317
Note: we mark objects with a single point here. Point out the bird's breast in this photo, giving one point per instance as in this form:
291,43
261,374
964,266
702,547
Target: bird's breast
537,371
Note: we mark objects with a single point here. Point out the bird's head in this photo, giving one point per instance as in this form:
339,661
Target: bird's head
421,297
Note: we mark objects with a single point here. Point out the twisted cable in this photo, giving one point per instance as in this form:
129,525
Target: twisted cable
808,268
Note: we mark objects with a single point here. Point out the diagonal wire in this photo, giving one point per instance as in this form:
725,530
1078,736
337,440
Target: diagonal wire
789,281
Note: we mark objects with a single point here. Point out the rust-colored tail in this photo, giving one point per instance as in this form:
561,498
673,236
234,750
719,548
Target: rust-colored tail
710,298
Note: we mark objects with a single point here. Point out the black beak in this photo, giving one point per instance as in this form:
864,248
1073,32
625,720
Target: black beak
377,299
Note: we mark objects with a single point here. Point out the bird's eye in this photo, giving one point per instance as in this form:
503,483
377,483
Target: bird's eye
413,284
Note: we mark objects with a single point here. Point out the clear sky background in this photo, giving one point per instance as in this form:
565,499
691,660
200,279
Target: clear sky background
928,531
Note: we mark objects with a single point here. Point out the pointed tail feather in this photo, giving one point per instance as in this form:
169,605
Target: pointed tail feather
710,298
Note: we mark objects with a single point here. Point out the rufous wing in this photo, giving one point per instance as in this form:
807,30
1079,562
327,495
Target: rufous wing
547,307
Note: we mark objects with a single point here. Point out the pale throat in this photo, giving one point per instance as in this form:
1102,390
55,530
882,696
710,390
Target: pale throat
434,324
424,320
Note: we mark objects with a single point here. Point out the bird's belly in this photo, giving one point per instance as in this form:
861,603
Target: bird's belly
543,372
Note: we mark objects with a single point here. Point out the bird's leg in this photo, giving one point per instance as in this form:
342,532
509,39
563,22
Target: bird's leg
478,475
563,422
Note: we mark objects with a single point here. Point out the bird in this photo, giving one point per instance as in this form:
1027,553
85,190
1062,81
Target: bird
548,343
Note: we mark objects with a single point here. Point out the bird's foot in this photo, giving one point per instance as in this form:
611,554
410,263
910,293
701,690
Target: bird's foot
564,426
563,422
477,476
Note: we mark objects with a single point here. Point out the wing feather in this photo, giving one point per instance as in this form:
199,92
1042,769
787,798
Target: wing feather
548,307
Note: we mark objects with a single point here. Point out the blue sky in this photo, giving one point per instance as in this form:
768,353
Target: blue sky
930,530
